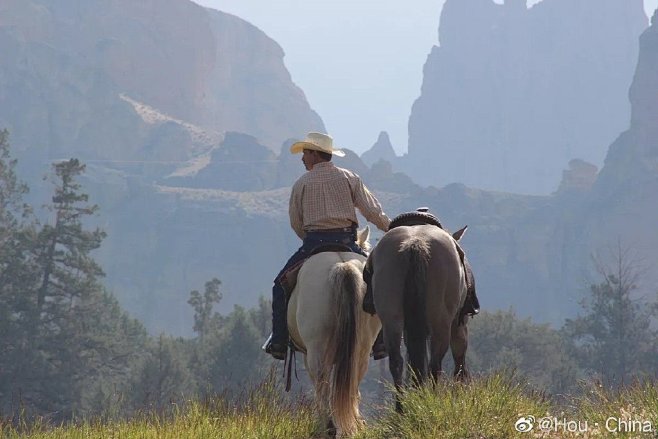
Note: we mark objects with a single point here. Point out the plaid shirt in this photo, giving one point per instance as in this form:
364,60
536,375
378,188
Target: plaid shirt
325,198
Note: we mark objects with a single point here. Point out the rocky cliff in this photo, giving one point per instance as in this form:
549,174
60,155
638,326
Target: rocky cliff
380,150
547,243
513,94
633,158
149,80
183,202
152,94
623,207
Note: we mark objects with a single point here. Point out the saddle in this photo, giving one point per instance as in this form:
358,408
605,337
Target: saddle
289,278
418,217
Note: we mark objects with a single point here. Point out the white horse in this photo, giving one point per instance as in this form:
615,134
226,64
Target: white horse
326,322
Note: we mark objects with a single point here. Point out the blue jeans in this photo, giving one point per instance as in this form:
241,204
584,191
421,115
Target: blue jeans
312,241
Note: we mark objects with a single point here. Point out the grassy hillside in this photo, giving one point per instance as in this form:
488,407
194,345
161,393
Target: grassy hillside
487,407
497,407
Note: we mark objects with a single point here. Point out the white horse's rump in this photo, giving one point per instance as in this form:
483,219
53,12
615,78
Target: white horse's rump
325,320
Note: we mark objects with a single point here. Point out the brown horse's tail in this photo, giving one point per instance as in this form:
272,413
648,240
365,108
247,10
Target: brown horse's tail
347,285
417,252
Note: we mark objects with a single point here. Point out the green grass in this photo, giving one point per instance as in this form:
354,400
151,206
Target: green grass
262,412
485,408
489,408
635,405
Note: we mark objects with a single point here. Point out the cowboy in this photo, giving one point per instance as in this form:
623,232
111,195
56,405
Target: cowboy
322,210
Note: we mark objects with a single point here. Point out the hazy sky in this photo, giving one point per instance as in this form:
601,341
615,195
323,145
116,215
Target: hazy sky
360,62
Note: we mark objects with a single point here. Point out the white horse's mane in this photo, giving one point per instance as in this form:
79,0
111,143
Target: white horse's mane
362,237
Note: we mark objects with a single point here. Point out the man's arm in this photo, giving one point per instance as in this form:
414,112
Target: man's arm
295,210
369,206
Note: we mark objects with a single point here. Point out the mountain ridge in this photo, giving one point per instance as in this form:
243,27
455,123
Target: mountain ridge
184,201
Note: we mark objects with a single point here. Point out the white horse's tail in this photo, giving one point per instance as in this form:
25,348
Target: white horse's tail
347,284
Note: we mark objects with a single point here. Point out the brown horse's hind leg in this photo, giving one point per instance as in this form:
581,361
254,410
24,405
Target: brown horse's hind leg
393,339
331,429
458,345
439,342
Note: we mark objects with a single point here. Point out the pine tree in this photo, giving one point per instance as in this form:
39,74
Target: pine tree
17,275
205,321
614,338
113,345
69,273
67,287
226,353
536,351
66,336
237,359
11,192
261,317
165,377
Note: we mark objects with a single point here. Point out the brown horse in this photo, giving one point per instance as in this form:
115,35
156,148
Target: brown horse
419,287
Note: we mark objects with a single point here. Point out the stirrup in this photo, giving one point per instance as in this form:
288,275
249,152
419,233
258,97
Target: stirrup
277,354
268,343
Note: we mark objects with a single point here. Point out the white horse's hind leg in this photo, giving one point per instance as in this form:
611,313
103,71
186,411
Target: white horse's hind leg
362,369
369,327
320,378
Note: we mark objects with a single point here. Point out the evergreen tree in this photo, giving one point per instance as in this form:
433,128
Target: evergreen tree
261,317
614,337
69,273
113,344
17,285
238,359
501,340
11,192
207,325
67,288
165,376
227,350
63,337
205,321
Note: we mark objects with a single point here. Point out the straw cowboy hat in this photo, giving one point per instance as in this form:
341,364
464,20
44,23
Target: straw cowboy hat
317,142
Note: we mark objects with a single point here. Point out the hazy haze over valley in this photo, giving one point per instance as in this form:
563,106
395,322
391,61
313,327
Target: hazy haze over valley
359,62
186,166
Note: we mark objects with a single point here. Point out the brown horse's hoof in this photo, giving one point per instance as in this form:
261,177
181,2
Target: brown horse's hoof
331,429
461,375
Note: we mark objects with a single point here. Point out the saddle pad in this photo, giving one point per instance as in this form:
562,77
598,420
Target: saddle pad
289,278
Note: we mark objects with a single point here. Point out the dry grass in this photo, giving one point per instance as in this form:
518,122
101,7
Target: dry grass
485,408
